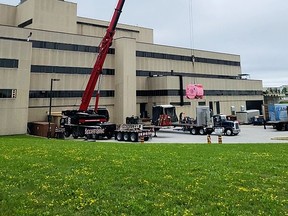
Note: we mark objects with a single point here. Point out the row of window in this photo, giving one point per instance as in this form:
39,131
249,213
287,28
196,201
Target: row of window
66,94
232,92
162,73
8,63
206,92
139,93
8,93
68,47
185,58
67,70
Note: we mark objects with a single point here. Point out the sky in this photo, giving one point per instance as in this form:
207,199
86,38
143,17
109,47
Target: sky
254,29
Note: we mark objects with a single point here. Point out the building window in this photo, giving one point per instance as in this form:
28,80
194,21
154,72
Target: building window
8,63
201,103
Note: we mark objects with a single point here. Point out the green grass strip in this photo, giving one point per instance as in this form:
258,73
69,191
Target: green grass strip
60,177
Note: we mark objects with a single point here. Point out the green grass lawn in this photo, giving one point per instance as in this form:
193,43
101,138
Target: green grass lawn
60,177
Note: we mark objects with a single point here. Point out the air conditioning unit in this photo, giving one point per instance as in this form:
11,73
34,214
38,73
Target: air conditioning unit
14,93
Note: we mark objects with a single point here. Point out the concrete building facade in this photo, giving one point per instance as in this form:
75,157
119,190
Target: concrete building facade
42,40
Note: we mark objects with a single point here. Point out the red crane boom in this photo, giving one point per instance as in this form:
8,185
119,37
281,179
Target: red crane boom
103,51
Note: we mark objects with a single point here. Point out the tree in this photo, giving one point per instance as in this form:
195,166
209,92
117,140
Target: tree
284,90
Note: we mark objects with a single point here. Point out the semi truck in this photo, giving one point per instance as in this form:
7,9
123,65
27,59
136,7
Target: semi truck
278,116
204,123
84,122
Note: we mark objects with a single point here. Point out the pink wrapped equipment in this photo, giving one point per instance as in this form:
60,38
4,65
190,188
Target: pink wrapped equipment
194,91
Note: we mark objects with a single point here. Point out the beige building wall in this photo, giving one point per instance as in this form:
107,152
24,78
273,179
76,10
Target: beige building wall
91,27
7,15
48,15
185,66
14,111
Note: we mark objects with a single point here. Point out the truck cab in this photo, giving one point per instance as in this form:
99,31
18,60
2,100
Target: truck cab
230,127
164,115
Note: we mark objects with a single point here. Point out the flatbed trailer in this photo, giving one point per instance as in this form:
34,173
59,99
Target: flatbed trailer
133,133
279,125
194,128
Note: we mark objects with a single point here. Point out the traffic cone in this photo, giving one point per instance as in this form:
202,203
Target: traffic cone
208,139
219,139
142,139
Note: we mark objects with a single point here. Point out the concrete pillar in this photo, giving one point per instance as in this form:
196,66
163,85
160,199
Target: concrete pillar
125,79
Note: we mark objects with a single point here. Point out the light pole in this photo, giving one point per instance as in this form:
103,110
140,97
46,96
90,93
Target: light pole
50,105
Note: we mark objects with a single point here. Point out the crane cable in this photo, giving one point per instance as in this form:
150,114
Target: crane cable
191,33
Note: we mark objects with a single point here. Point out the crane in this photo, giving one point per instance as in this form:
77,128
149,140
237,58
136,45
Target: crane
83,122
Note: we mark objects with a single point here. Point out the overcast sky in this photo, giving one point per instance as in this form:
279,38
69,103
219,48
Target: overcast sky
254,29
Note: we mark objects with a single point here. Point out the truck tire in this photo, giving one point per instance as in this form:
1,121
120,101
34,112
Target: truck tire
67,133
229,132
119,136
75,134
279,127
88,136
81,132
193,131
126,137
109,135
134,137
202,131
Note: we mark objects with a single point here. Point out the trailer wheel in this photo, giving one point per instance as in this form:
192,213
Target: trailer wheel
119,136
201,131
193,131
126,137
146,139
229,132
134,137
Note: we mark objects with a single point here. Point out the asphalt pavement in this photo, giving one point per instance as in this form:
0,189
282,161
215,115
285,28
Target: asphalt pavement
248,134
